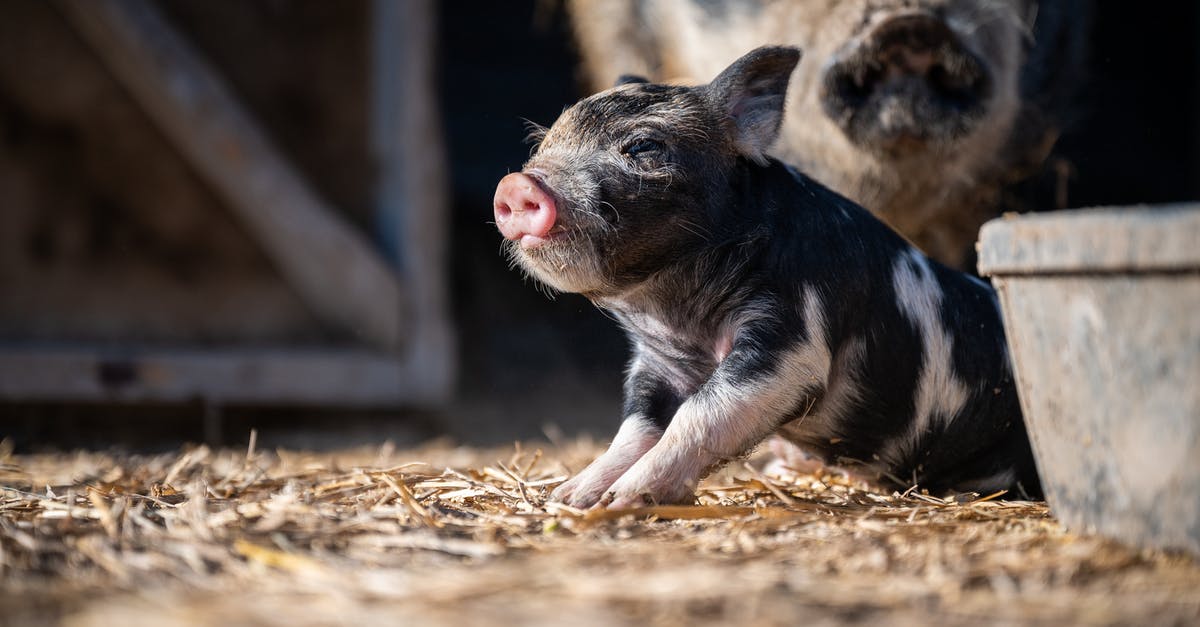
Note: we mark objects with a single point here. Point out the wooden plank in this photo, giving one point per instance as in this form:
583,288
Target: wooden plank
329,377
411,189
333,269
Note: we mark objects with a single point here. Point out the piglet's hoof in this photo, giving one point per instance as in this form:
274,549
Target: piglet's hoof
629,501
581,491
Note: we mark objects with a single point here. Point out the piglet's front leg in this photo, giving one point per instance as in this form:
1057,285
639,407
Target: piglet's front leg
748,396
649,400
636,436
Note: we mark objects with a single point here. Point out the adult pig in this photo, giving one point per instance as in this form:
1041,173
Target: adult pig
925,111
757,300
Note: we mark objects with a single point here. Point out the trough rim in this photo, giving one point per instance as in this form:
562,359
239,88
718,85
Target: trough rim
1103,240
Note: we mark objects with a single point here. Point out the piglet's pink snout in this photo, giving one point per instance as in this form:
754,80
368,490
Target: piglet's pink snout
524,210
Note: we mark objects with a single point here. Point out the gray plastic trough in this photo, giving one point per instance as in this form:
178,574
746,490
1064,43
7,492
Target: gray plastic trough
1102,312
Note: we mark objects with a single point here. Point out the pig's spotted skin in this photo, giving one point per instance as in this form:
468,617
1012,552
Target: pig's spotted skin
940,394
842,394
757,301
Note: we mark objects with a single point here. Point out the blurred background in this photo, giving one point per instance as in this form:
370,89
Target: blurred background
147,298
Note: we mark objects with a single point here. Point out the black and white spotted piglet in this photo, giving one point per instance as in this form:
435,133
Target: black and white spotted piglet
757,301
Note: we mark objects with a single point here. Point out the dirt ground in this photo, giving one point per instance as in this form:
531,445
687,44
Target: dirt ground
459,536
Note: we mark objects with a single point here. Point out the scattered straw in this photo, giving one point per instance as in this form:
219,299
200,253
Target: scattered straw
252,536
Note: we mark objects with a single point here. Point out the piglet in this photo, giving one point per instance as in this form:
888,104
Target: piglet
757,301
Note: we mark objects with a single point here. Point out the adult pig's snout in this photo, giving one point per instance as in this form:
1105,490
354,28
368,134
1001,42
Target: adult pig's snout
910,81
525,212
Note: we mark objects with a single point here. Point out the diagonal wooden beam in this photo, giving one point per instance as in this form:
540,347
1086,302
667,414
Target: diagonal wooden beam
334,269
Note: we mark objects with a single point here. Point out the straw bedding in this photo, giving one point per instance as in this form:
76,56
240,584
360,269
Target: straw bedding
445,535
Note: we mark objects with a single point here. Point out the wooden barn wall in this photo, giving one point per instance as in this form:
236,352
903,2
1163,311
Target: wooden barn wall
107,235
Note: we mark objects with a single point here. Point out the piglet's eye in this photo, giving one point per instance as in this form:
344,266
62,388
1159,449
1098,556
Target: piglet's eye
642,147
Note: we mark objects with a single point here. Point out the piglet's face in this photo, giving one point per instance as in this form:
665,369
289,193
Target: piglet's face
629,180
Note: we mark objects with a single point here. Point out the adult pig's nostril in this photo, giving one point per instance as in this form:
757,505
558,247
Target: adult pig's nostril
909,45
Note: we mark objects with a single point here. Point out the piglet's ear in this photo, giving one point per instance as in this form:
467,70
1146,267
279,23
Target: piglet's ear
751,93
627,79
